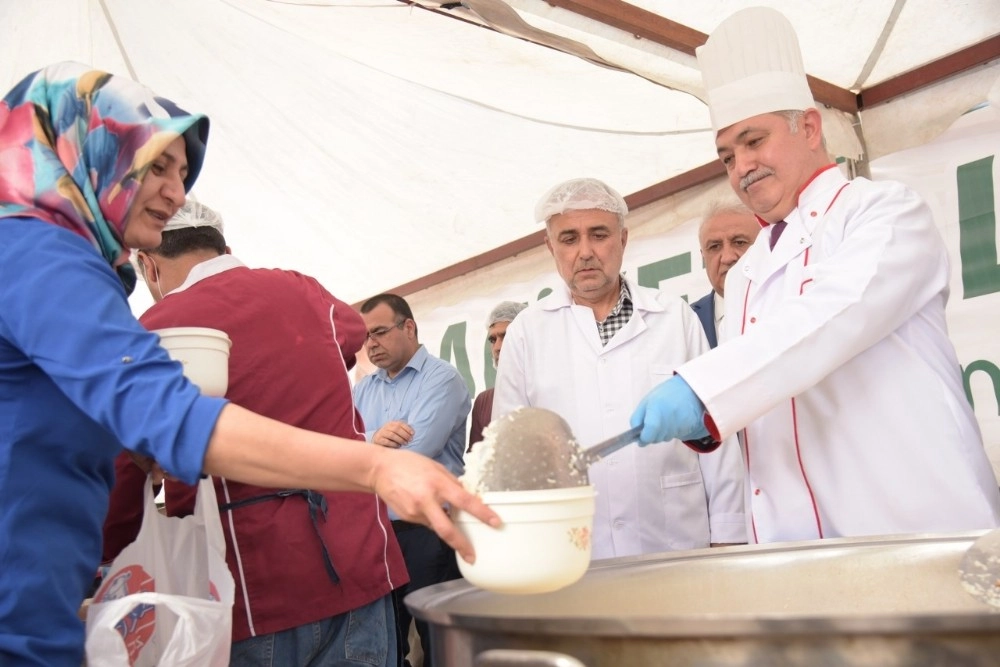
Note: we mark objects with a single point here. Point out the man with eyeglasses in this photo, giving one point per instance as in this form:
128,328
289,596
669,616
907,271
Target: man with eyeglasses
418,402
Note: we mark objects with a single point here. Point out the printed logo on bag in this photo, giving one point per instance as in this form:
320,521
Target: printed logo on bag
137,627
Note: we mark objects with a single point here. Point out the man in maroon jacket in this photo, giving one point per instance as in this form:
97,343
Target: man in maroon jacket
314,571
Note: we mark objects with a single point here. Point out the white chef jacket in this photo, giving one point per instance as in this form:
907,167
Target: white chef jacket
650,499
838,363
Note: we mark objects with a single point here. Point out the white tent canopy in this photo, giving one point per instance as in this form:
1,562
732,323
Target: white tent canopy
370,143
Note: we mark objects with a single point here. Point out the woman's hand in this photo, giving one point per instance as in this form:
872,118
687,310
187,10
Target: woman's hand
256,450
417,489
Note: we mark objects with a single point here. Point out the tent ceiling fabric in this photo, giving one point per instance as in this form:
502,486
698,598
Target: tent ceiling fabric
370,142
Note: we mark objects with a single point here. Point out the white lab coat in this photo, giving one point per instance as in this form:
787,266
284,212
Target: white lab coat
836,359
651,499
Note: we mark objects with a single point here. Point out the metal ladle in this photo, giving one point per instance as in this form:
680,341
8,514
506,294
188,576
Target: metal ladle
979,570
534,449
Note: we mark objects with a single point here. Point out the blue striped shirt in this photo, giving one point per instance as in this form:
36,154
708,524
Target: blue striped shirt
430,395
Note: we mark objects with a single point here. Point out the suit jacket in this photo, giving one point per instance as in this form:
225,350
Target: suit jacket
704,308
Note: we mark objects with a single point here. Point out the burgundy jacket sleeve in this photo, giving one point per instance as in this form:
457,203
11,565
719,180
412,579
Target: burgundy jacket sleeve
121,526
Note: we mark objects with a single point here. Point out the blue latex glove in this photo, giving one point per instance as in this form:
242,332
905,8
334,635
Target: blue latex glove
671,410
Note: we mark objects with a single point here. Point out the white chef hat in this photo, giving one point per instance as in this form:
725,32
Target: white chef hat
194,214
751,64
580,194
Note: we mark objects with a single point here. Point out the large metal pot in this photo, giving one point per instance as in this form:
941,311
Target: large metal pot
880,601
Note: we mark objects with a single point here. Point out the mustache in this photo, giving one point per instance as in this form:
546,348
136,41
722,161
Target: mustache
588,265
754,176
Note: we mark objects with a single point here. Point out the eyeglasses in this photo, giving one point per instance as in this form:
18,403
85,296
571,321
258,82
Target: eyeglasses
378,334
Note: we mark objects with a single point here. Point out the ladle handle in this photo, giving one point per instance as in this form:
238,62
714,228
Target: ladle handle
612,445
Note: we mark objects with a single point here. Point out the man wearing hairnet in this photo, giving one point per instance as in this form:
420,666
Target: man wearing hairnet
496,329
589,352
836,362
314,571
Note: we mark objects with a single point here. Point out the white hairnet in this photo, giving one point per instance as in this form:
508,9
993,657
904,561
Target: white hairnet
194,214
505,311
581,194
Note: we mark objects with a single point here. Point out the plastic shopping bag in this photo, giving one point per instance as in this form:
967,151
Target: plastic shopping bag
168,597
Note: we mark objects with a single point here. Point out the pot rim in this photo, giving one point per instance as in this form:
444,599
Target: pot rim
432,604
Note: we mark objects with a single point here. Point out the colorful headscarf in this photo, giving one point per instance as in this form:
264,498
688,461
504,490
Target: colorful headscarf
75,143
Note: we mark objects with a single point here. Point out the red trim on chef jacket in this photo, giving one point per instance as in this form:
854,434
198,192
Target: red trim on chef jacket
811,179
802,469
795,425
764,223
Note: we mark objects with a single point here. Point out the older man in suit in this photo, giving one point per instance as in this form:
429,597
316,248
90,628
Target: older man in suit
726,232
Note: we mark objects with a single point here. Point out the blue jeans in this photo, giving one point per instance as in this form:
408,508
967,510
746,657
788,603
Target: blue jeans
365,636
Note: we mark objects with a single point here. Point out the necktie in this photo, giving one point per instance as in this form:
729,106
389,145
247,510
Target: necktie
776,230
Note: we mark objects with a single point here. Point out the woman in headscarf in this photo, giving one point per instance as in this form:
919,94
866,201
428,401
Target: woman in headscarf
92,165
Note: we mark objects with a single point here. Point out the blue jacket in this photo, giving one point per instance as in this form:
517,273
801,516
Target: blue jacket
79,378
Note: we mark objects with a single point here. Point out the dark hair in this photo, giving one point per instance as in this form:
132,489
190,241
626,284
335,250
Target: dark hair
395,302
183,240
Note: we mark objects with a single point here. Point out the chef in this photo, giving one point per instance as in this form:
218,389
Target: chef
835,359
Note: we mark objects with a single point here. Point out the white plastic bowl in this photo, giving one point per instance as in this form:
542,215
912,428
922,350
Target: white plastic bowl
542,546
204,354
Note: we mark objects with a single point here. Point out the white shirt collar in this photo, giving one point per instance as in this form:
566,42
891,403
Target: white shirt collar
720,312
720,308
206,269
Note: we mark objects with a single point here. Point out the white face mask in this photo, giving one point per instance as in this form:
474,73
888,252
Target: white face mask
156,278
